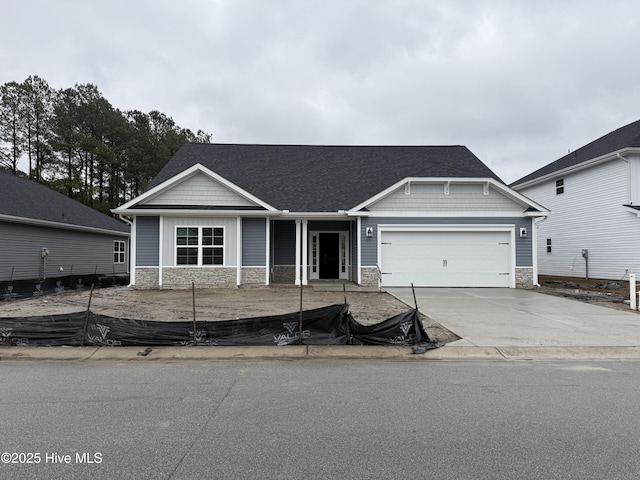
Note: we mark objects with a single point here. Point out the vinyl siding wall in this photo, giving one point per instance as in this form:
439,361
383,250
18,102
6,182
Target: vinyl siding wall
254,242
147,241
283,242
78,253
199,190
169,236
589,214
461,198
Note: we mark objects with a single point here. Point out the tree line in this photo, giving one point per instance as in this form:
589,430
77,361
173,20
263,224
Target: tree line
77,143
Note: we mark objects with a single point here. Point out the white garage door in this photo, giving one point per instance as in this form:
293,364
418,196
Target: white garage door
446,259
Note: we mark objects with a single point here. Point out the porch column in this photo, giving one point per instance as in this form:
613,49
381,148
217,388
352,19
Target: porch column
305,248
238,251
298,228
133,243
268,250
359,249
160,249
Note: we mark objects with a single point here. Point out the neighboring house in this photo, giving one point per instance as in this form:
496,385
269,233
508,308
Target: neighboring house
593,194
44,234
226,215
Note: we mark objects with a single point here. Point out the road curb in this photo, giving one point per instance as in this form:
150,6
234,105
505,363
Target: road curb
391,352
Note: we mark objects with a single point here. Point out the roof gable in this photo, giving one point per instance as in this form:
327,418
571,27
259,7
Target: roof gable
26,201
303,178
457,195
622,138
199,189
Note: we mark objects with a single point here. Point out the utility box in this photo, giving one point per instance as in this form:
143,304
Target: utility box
585,253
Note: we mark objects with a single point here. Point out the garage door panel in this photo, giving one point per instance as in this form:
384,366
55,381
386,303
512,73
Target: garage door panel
446,259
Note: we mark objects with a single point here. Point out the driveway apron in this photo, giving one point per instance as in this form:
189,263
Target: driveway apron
513,317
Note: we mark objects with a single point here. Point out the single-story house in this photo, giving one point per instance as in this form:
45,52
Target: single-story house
227,215
593,194
44,235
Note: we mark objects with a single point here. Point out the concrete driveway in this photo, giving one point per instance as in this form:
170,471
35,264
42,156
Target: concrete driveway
504,317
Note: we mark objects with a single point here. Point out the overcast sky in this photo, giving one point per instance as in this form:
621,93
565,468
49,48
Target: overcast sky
518,82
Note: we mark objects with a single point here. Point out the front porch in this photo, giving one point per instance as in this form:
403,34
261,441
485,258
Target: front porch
305,251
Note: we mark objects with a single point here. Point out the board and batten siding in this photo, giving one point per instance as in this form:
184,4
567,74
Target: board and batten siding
169,236
283,242
199,189
430,198
76,252
369,254
589,215
254,242
147,241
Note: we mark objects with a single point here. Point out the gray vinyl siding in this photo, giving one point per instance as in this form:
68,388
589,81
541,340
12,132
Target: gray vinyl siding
78,253
199,190
524,253
461,198
230,225
254,242
147,241
284,238
284,242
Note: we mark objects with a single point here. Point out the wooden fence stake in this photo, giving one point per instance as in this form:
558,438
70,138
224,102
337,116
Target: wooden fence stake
414,296
86,317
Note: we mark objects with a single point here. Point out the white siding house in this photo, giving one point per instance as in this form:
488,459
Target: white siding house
593,195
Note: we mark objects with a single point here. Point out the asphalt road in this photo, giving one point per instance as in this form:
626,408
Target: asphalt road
320,419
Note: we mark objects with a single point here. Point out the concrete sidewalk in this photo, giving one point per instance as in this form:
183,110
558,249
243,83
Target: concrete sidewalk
300,352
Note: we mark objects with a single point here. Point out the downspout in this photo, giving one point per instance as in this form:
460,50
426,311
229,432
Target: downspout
536,223
132,256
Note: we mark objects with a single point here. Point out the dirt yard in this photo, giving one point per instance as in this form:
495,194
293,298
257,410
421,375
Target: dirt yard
227,304
596,291
215,304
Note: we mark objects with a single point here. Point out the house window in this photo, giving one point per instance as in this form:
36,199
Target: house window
560,186
548,245
200,246
118,251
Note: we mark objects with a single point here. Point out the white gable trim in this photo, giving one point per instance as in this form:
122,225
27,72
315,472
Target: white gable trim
197,168
506,191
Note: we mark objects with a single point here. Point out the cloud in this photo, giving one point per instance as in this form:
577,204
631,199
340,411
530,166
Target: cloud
518,82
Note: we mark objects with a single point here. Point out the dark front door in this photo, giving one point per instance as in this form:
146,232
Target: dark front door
329,255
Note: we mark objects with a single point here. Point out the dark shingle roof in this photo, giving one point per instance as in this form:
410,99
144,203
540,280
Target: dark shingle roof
306,178
24,198
624,137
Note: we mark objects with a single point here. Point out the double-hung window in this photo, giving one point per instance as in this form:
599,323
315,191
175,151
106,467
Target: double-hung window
118,251
200,246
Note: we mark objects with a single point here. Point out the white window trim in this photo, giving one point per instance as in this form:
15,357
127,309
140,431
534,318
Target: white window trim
122,252
199,246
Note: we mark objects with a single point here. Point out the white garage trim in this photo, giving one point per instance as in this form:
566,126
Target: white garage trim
472,228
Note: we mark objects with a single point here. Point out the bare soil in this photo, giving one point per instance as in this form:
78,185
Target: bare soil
216,304
227,304
595,291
